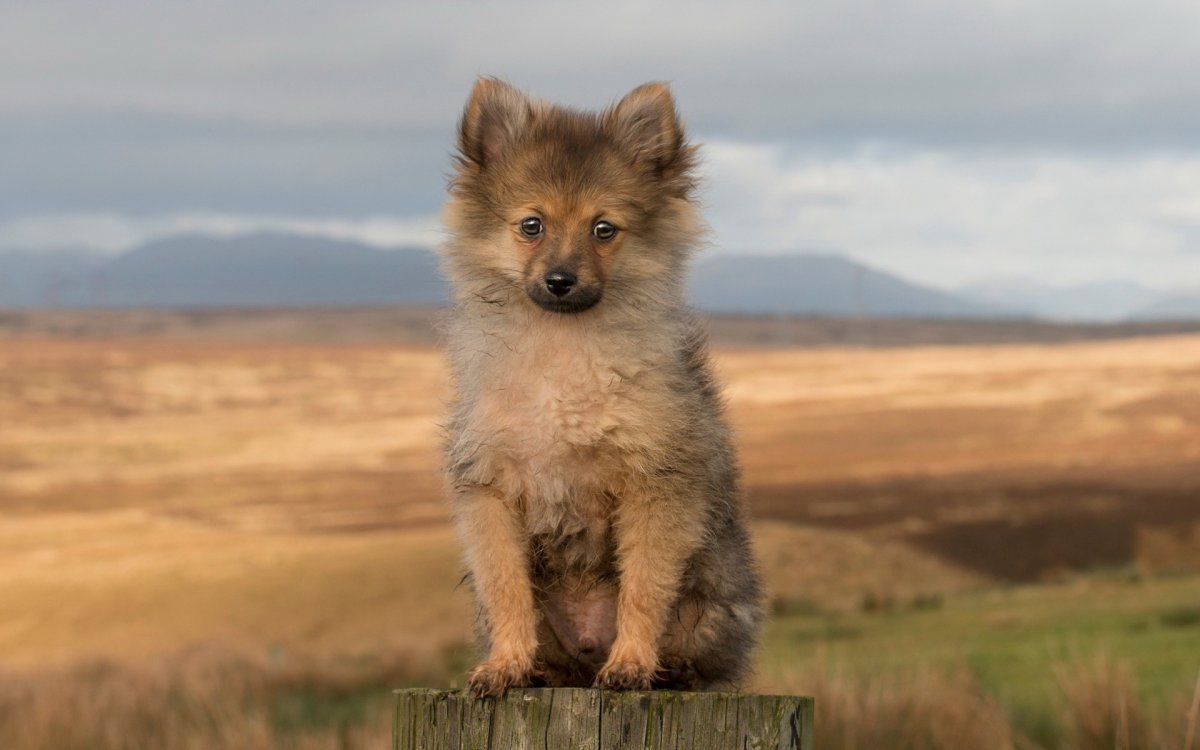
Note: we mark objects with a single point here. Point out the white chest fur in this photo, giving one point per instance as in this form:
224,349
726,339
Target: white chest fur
563,415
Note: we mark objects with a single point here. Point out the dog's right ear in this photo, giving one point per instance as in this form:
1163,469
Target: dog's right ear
495,116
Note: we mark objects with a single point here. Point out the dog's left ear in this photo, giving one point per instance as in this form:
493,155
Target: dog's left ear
646,122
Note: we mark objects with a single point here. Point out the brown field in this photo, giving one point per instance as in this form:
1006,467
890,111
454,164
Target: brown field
278,504
418,325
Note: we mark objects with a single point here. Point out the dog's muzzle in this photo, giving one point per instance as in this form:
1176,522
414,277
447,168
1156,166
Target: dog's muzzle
561,292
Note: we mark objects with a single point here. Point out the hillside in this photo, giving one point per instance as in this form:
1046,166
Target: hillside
190,271
293,271
269,270
53,278
214,534
277,270
1172,307
1098,301
822,284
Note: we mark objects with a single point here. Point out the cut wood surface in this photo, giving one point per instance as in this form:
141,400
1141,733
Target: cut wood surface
563,718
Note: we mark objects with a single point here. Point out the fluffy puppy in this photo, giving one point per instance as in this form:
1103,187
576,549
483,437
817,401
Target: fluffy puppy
592,478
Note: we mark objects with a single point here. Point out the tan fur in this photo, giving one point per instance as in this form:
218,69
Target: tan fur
594,484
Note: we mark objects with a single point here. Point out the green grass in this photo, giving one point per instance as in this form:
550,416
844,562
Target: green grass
1015,640
969,670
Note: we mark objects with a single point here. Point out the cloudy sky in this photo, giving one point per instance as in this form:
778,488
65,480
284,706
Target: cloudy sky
946,141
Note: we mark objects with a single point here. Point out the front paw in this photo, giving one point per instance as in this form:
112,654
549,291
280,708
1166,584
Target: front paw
625,675
489,679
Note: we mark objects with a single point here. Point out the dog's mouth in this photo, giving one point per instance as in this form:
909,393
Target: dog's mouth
568,306
577,301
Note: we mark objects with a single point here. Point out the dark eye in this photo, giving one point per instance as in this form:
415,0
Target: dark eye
531,226
602,230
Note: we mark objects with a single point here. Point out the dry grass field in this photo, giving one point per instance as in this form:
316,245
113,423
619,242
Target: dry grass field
243,544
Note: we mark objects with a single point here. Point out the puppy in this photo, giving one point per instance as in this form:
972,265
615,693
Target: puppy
593,482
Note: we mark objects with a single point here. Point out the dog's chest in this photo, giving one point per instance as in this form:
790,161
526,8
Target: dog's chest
568,403
565,420
551,405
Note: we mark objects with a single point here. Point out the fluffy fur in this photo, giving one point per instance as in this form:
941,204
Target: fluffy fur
590,467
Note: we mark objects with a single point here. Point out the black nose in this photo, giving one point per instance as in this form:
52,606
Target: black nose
560,282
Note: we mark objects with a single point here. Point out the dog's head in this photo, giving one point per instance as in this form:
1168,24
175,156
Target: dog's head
571,207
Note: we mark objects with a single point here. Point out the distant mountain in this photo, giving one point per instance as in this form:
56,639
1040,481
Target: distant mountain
279,270
258,270
50,278
822,285
1099,301
1171,307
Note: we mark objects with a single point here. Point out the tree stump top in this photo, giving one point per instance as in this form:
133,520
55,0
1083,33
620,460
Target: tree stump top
570,719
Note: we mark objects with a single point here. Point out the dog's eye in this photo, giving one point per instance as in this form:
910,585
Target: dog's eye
531,226
602,230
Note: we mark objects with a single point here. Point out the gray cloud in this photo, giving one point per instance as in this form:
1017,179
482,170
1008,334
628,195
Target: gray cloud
896,131
148,164
987,71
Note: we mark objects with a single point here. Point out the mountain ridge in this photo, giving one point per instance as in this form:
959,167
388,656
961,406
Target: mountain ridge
822,284
285,270
1105,300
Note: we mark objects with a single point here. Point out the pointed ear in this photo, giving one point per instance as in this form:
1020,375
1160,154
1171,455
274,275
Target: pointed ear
495,116
646,123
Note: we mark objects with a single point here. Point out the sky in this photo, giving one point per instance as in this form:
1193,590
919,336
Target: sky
949,142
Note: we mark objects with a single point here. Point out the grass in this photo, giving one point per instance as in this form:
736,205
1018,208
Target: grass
1020,647
907,678
200,700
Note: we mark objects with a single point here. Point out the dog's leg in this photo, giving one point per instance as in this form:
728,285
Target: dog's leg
498,558
707,642
656,533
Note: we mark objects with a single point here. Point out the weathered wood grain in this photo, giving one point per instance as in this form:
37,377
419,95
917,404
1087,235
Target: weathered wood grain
577,719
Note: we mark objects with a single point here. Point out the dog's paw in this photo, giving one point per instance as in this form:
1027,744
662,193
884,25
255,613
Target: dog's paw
625,675
491,678
677,673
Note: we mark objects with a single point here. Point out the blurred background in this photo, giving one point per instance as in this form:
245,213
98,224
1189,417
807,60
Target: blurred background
953,286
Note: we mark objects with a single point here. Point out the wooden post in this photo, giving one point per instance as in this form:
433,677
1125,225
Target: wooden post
579,719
